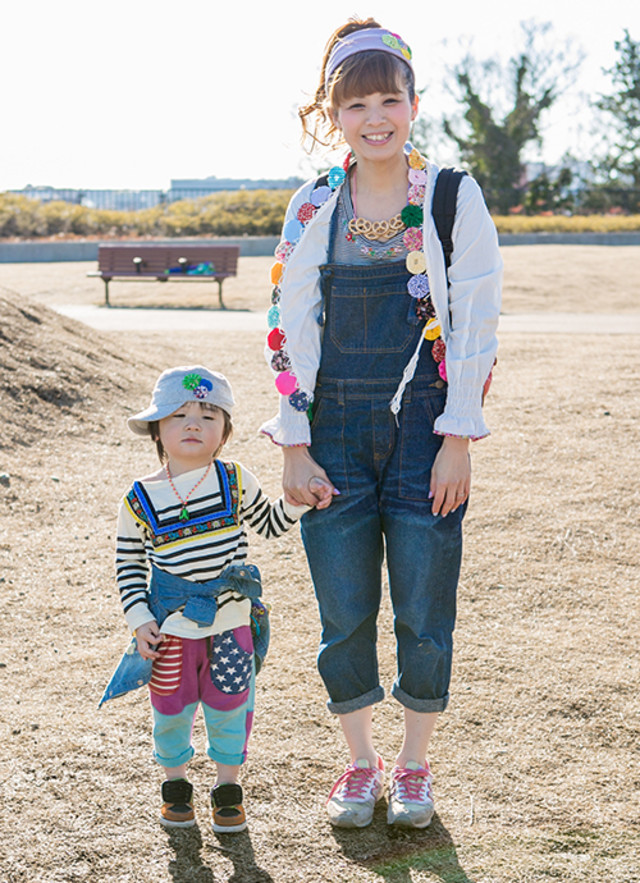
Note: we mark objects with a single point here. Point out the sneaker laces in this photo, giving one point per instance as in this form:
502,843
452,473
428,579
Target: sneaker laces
412,786
355,783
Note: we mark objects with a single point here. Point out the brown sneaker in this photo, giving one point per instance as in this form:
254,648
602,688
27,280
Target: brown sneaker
228,812
177,809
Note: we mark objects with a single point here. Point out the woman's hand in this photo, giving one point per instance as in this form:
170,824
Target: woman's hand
450,476
147,636
304,482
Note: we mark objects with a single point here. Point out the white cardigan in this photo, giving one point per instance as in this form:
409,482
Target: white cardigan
467,309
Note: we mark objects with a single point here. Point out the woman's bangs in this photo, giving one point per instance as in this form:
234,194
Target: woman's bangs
366,73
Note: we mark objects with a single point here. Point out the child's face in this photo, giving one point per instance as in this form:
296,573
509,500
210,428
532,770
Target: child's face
376,126
192,435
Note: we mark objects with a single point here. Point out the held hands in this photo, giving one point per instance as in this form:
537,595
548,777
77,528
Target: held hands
450,476
147,636
304,482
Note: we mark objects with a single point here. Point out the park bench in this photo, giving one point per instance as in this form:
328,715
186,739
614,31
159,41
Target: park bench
196,263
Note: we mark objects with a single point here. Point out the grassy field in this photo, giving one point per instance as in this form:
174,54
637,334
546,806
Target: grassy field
536,759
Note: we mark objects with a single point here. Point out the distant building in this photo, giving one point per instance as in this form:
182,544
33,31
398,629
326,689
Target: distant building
134,200
194,188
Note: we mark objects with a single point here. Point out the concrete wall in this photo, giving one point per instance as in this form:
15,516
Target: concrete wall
252,246
53,252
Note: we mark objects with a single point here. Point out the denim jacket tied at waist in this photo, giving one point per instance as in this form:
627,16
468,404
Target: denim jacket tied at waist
168,593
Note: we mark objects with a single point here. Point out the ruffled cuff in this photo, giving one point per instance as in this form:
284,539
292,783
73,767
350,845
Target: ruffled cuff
462,417
289,428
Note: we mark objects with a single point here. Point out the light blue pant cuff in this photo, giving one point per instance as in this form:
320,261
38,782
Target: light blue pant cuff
185,757
227,759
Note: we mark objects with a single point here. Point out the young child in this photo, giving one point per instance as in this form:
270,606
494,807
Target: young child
390,358
188,595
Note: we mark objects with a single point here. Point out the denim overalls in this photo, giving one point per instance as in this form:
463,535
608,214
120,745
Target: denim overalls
382,468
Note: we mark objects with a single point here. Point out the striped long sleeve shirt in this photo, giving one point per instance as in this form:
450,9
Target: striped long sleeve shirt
199,548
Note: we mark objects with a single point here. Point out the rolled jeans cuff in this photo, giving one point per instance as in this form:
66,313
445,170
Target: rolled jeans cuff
425,706
370,698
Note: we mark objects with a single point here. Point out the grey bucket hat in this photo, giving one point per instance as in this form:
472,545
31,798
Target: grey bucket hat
175,387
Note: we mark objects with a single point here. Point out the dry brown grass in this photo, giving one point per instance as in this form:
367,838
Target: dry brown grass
536,760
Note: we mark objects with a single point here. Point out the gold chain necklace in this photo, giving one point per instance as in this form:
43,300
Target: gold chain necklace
375,230
184,512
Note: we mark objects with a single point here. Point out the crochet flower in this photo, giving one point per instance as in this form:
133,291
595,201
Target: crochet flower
336,177
286,383
415,195
417,176
412,238
442,370
438,350
191,381
418,286
283,251
320,195
275,339
280,361
273,317
299,400
306,211
412,215
416,161
425,309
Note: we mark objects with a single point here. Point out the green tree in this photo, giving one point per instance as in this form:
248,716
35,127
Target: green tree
622,110
503,109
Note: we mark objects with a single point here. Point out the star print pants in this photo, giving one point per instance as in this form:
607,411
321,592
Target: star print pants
215,672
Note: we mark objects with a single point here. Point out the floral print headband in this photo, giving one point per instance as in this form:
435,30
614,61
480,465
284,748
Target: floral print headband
363,41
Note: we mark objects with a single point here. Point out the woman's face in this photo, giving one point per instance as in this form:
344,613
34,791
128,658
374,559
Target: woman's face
376,126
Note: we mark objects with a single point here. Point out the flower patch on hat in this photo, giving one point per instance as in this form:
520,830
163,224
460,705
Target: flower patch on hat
199,386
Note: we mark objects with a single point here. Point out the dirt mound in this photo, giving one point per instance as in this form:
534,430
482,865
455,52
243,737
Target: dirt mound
58,376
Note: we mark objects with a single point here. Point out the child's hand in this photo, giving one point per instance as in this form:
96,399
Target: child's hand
147,636
322,490
304,481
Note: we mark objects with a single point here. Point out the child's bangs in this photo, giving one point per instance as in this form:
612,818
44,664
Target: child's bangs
368,72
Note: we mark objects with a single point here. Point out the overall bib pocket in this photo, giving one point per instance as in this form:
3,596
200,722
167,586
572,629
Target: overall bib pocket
357,319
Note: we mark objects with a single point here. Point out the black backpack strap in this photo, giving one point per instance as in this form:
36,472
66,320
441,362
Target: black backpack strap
443,208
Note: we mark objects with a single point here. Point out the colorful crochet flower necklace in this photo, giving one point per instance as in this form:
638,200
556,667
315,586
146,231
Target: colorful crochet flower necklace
184,512
411,217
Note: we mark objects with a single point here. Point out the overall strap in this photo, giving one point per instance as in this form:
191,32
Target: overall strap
443,209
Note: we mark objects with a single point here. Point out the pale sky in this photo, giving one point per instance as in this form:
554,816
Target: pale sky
132,94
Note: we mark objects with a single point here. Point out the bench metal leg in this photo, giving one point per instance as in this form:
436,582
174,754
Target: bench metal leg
222,306
106,293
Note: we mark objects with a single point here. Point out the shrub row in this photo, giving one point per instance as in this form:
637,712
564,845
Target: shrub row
242,212
238,213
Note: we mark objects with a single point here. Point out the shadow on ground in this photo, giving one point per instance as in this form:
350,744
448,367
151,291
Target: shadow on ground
394,852
188,863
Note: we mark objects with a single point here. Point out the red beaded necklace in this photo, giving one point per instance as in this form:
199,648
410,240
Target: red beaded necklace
184,512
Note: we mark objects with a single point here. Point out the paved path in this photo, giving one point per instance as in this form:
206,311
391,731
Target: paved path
142,319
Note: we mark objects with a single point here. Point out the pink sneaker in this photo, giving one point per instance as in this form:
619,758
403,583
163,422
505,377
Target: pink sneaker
354,795
410,796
